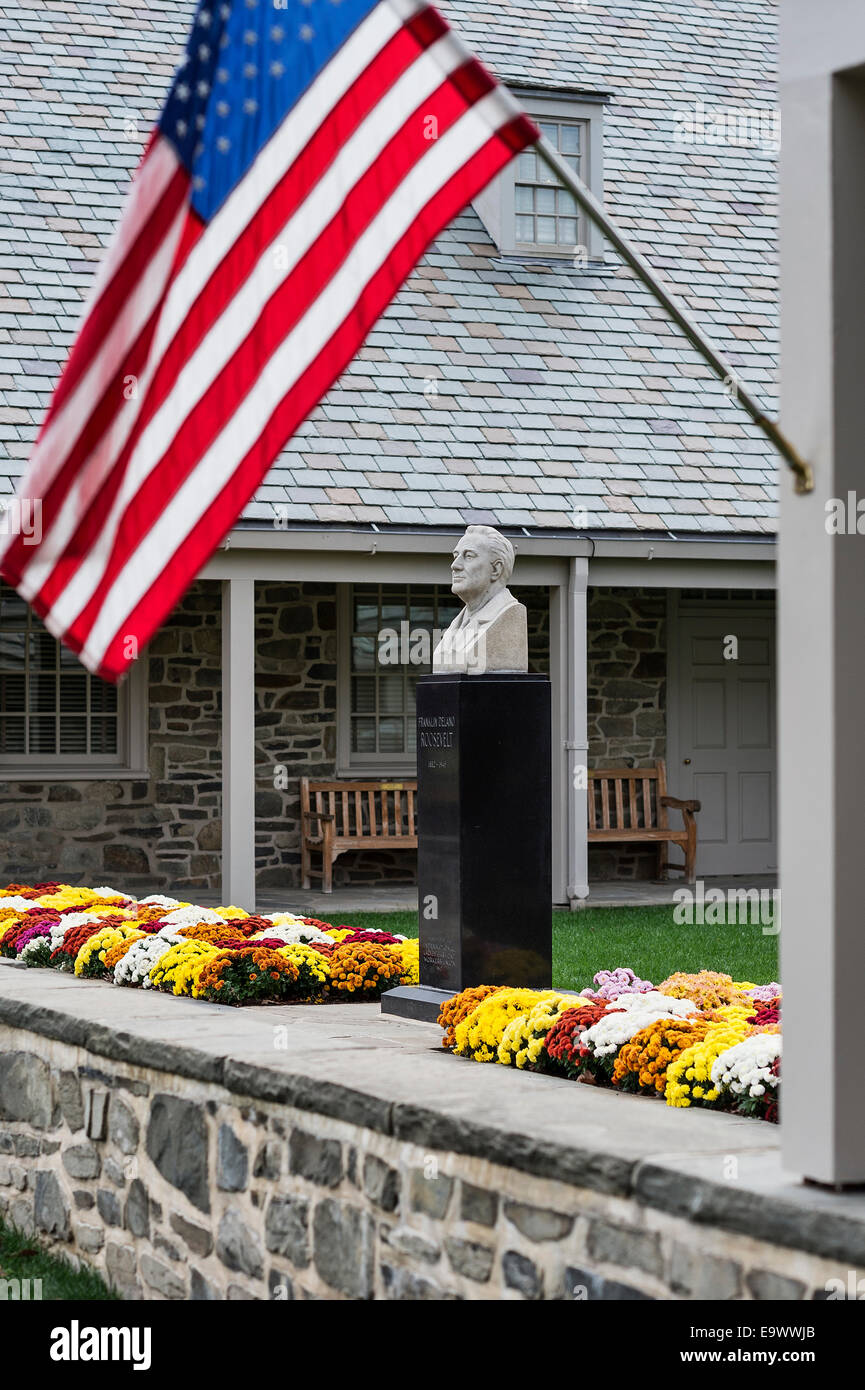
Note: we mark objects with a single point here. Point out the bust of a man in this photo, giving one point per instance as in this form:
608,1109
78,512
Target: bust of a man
490,634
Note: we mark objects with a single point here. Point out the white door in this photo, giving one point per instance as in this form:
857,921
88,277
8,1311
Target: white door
724,740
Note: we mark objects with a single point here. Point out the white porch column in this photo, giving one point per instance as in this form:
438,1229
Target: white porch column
570,738
822,591
238,743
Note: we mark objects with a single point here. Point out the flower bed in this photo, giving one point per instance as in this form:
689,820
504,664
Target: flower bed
224,954
702,1039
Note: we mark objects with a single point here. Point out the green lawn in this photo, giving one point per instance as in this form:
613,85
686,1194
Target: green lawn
645,938
21,1258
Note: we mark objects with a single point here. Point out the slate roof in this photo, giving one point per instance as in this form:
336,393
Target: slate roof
556,389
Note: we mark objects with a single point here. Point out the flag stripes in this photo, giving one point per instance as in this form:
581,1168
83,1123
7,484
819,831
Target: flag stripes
206,344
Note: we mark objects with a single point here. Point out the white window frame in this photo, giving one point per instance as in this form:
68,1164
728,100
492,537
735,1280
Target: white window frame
371,765
129,762
495,205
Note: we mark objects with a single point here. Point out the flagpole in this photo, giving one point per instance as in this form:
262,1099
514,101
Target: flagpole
644,272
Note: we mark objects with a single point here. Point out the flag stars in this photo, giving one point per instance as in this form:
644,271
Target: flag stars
250,70
182,92
225,11
222,75
223,144
250,106
202,87
250,37
199,182
277,34
307,32
223,108
277,69
204,52
200,121
204,18
181,127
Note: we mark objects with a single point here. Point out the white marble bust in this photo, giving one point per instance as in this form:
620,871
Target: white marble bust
491,632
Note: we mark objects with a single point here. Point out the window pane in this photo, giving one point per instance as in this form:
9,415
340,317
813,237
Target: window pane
569,139
73,693
422,612
366,617
550,130
567,231
363,736
524,198
43,734
391,737
391,693
73,736
527,165
12,694
546,200
363,694
13,646
103,696
363,653
12,736
13,609
43,691
393,611
547,231
525,229
103,735
566,203
449,607
43,650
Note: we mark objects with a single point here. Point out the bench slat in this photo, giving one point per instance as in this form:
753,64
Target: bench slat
632,803
605,803
648,818
620,810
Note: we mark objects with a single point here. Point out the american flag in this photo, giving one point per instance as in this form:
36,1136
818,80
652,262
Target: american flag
307,154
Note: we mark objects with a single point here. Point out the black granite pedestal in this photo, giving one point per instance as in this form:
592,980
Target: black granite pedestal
484,836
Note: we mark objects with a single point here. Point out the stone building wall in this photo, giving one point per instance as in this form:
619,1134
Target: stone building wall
141,834
179,1188
166,831
627,697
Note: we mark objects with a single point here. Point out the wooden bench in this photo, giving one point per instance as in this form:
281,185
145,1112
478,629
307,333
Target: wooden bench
338,816
630,804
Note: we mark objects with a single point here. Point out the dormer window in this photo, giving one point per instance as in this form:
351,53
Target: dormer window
546,215
526,210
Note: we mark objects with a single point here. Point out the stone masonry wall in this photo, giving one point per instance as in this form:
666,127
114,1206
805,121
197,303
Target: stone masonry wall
166,831
181,1189
627,695
149,833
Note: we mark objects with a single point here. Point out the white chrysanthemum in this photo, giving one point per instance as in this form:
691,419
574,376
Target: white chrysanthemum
105,892
639,1010
282,919
292,935
32,947
17,903
189,916
157,900
746,1068
135,966
71,919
